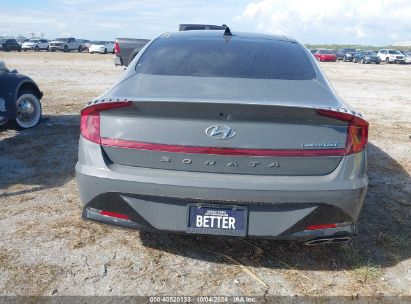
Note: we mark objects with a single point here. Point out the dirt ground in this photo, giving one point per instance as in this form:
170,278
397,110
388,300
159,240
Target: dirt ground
47,249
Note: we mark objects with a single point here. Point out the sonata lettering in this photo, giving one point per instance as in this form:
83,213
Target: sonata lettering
212,163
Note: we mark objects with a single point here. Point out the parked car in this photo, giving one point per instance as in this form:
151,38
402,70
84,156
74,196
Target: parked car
35,45
391,56
313,51
19,99
325,55
21,40
82,44
7,45
126,49
196,27
347,54
190,141
407,56
102,47
64,44
366,57
86,46
340,55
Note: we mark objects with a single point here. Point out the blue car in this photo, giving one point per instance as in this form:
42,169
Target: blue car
19,99
366,57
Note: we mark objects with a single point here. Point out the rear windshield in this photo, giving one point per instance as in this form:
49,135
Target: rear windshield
231,57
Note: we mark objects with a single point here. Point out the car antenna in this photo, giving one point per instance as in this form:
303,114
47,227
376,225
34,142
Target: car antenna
227,32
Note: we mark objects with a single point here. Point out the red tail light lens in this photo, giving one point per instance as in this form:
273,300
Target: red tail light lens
357,130
90,119
116,48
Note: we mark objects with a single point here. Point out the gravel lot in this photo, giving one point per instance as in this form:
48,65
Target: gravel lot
47,249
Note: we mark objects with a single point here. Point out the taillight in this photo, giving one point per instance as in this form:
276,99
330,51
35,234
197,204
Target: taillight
116,48
357,130
90,119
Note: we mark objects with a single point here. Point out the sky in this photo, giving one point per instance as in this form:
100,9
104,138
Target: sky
374,22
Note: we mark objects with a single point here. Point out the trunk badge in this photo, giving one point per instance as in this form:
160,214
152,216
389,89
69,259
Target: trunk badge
220,132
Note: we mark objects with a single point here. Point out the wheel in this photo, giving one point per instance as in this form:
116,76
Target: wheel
387,60
66,48
53,50
345,59
112,52
28,110
19,50
377,62
80,49
25,50
105,51
36,48
362,60
48,49
354,60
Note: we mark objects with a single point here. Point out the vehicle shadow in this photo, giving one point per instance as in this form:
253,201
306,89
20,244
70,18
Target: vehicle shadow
384,232
40,158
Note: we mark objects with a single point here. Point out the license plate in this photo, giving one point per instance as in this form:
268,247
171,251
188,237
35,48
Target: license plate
224,220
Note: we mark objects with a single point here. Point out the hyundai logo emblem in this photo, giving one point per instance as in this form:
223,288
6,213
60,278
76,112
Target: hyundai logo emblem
220,132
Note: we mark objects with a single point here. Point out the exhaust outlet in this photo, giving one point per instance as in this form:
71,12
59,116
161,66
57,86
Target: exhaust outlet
322,241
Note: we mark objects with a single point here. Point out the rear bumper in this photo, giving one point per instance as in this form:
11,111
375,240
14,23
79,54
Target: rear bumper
117,61
278,206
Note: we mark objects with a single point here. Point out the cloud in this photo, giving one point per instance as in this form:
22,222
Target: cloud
107,19
339,21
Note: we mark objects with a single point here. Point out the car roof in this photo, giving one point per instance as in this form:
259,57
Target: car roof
219,34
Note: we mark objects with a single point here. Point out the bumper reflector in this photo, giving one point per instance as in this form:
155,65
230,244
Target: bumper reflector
114,214
322,226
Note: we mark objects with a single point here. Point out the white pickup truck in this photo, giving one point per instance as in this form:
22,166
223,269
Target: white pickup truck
391,56
65,44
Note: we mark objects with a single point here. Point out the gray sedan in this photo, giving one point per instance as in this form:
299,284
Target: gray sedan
224,133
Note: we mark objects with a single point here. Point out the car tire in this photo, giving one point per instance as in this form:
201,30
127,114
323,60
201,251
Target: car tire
19,50
354,60
362,61
377,62
112,52
28,110
25,50
36,48
105,51
66,48
387,60
80,49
